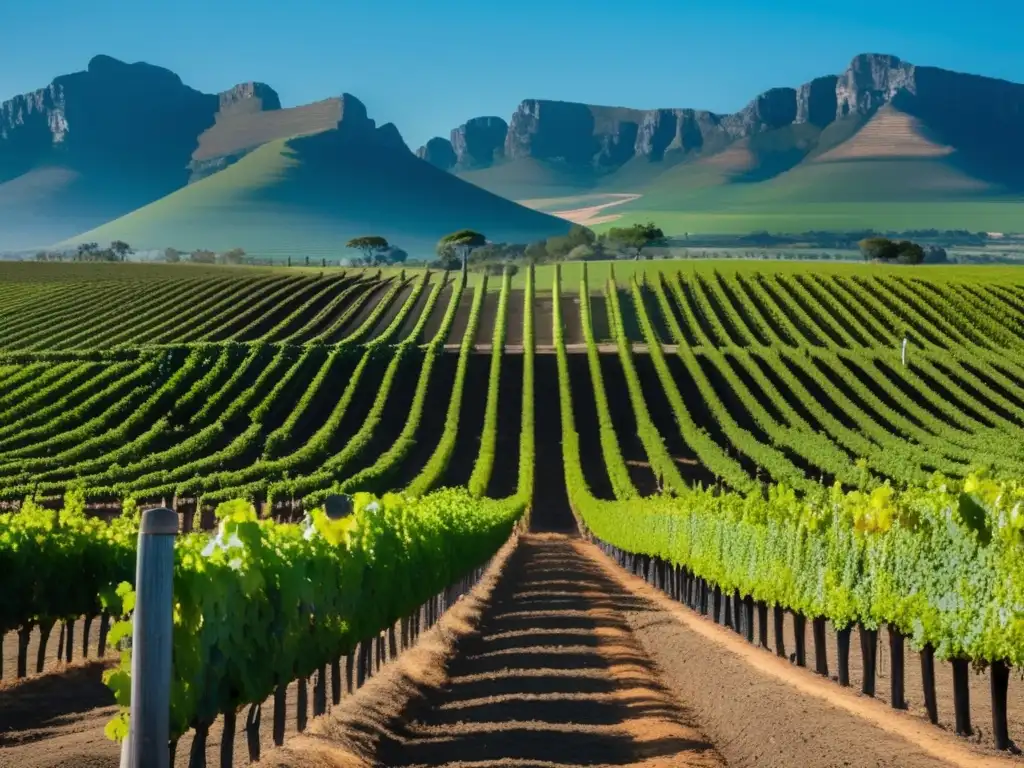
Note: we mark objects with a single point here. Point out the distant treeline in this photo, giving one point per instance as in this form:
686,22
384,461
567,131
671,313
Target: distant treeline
582,244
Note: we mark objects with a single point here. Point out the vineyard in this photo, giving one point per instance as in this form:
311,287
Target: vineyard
786,448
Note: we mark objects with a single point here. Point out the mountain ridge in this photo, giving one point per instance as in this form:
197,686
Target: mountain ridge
578,143
117,139
114,139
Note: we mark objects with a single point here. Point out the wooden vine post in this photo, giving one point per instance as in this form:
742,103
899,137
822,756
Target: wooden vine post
146,745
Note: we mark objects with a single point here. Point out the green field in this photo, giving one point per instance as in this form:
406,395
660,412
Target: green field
973,216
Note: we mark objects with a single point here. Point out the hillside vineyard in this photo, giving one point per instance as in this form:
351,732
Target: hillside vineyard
839,441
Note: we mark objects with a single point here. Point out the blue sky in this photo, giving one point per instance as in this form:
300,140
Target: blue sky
428,66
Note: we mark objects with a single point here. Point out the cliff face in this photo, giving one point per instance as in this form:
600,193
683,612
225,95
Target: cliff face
870,82
137,121
479,141
137,117
256,120
439,153
96,144
247,98
816,101
128,120
476,143
601,138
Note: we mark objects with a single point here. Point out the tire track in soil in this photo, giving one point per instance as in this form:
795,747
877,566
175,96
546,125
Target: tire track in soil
553,676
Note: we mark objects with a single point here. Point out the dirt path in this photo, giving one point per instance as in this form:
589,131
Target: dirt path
554,676
592,214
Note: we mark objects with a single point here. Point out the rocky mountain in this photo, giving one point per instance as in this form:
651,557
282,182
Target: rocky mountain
244,124
310,193
99,145
967,112
95,146
137,115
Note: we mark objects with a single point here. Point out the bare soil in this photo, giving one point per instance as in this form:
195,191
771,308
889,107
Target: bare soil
516,308
599,318
572,323
584,409
433,324
488,318
505,473
461,320
981,701
551,510
80,652
543,320
56,720
553,674
548,674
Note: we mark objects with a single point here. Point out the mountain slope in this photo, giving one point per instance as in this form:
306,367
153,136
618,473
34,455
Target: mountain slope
96,144
308,195
883,133
127,151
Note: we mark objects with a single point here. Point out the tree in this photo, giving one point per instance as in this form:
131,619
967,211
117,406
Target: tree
536,253
459,245
878,249
581,252
203,257
884,249
86,251
120,249
560,246
637,237
371,246
580,235
172,255
234,256
909,253
396,255
935,254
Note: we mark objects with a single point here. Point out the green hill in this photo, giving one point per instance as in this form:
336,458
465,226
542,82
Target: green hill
309,195
889,172
128,151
